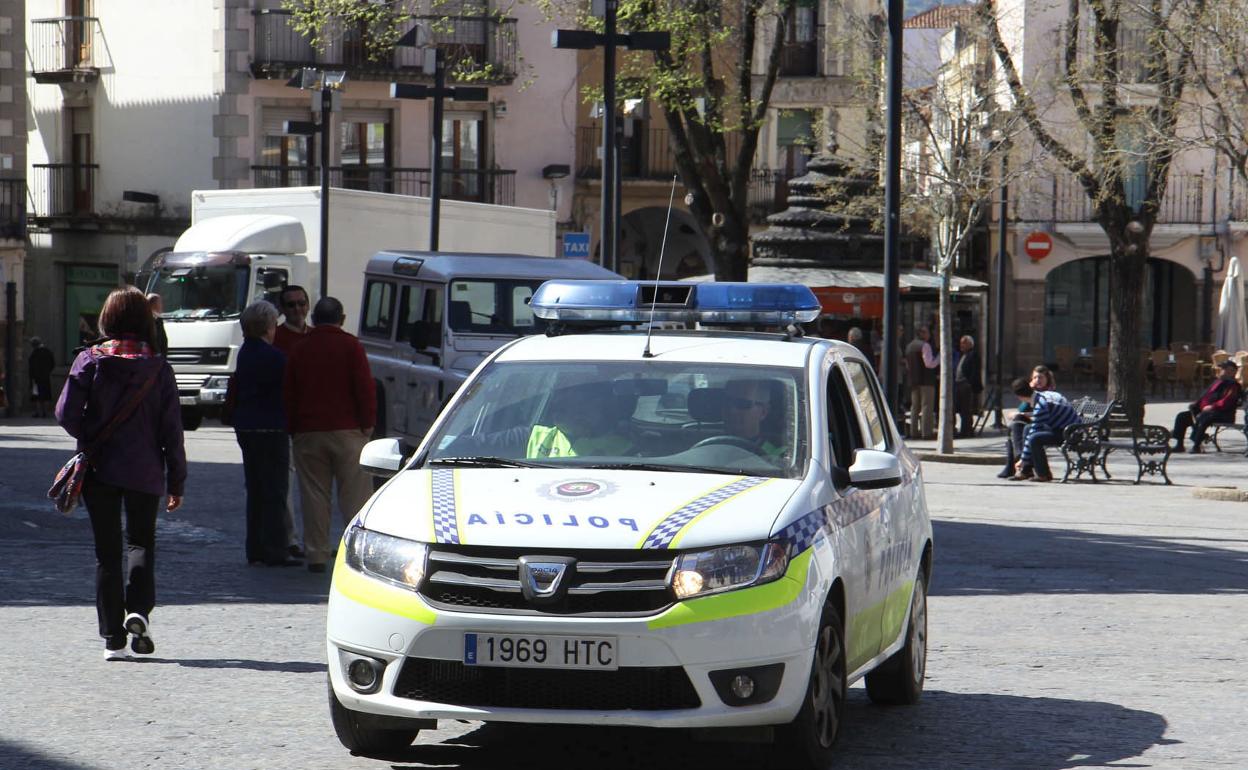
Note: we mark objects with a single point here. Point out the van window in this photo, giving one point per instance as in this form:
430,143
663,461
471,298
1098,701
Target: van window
270,281
417,302
378,309
492,307
868,400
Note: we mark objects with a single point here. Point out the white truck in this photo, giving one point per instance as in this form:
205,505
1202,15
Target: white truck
245,245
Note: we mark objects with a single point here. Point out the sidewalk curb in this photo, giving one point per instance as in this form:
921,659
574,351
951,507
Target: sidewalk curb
966,458
1226,494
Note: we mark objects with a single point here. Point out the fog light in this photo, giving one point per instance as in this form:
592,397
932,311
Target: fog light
742,686
364,674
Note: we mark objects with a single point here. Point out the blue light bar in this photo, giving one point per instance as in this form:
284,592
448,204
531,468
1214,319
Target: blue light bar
628,302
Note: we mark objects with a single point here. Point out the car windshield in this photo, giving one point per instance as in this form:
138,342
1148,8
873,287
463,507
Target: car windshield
201,291
654,416
479,306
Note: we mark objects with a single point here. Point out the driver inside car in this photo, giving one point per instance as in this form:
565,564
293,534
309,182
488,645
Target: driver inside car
746,406
579,423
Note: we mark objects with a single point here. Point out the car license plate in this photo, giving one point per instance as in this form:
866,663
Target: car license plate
528,651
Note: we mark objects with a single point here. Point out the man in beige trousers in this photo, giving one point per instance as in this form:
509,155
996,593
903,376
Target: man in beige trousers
331,407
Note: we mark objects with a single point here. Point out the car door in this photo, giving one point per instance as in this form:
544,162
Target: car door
423,387
895,526
377,337
856,518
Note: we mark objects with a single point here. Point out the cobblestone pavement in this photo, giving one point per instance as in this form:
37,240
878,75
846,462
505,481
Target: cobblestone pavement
1071,626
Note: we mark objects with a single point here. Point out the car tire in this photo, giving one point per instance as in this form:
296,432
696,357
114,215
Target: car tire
899,680
365,741
191,419
810,737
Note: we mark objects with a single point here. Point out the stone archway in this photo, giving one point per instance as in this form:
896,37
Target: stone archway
686,254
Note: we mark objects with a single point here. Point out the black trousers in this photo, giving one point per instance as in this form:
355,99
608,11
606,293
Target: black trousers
966,404
1199,422
122,585
266,460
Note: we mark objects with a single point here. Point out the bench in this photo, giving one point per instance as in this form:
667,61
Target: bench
1105,428
1216,428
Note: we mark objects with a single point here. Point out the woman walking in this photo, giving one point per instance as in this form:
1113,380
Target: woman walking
260,426
130,468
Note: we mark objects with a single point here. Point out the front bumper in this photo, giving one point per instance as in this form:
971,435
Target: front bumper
767,625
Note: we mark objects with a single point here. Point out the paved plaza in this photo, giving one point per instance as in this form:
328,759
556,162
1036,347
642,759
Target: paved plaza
1072,626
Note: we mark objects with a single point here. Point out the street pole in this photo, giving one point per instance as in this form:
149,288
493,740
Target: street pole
892,207
435,163
998,340
608,241
326,105
617,198
10,344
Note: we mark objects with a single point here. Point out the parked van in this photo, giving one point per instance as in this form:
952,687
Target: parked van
428,318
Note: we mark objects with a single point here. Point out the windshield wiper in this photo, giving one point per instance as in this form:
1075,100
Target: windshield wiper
659,467
487,462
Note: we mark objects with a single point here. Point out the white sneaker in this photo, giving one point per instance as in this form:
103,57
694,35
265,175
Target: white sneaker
141,641
121,653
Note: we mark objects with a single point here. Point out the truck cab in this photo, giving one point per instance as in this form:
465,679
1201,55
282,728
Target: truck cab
428,319
216,269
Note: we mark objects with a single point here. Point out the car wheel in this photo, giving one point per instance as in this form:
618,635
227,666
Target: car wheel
809,738
362,740
899,680
191,418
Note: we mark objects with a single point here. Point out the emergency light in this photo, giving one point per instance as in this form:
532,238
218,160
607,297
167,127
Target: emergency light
628,302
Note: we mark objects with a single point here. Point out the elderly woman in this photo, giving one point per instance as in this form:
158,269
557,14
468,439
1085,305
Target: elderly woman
260,426
1041,379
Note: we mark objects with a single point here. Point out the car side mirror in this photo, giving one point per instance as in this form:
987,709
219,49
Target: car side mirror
382,457
873,469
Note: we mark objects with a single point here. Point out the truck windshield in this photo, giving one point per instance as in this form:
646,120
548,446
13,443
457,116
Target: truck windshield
201,291
481,306
706,418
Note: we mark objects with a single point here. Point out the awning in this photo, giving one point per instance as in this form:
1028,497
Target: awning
818,277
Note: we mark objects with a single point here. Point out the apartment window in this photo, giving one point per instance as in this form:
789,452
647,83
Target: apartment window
463,156
285,160
365,148
795,139
799,55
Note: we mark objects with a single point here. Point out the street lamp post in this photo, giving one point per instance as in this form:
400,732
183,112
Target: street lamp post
892,206
435,64
998,340
326,83
608,40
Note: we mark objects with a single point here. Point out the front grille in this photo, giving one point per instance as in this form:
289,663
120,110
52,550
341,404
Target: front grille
209,356
189,383
453,683
487,579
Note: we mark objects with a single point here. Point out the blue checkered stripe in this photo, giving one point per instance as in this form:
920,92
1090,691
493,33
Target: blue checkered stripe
666,531
799,535
445,528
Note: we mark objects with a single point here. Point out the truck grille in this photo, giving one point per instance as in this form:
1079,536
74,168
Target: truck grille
451,682
189,383
209,356
487,579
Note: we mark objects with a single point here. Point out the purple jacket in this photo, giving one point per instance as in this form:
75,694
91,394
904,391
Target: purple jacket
148,443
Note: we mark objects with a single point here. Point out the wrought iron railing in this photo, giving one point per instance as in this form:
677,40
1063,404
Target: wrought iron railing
63,189
1061,198
60,47
480,44
497,186
647,154
768,193
12,208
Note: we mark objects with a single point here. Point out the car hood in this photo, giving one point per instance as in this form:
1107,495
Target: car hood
577,508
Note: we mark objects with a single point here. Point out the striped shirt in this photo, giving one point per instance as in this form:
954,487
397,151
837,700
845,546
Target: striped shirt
1051,414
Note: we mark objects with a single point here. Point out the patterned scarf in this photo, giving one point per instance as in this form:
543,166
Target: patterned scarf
125,346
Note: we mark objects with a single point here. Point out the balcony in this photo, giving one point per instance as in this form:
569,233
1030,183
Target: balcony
800,59
65,49
63,190
646,154
1061,199
496,186
478,44
12,209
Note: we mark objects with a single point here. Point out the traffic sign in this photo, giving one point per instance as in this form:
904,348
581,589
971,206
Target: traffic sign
576,245
1038,245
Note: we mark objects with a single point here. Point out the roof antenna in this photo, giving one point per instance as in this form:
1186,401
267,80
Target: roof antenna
658,273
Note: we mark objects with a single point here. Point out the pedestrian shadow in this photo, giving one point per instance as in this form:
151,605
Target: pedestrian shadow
969,731
284,667
16,755
978,558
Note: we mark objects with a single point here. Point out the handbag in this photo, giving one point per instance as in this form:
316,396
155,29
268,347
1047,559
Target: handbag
66,487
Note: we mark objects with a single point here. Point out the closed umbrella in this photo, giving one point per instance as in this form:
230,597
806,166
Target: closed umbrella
1232,321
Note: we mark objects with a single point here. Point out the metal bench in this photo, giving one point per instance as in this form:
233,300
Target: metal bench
1106,428
1216,428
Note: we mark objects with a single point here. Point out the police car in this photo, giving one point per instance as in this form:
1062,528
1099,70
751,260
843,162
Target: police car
615,526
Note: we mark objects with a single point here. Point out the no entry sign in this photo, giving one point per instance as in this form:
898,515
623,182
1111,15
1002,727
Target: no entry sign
1037,245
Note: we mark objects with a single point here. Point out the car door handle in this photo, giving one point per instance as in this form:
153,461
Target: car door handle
388,378
413,384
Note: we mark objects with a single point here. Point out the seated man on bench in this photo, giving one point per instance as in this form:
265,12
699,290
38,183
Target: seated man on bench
1216,405
1050,415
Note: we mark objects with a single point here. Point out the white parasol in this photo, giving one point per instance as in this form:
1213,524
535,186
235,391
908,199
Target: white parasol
1232,320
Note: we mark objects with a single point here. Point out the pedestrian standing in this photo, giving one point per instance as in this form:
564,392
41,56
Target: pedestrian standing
41,363
968,383
131,468
921,366
331,407
161,340
294,328
260,428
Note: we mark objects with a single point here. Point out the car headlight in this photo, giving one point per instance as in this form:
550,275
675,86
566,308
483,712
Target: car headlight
217,383
392,559
723,569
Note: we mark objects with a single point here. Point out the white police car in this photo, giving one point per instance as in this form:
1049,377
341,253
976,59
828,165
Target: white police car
690,529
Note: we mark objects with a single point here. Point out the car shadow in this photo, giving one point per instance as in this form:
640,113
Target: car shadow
969,731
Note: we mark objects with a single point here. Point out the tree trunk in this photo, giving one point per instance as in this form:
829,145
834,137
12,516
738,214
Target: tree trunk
1127,261
731,242
945,426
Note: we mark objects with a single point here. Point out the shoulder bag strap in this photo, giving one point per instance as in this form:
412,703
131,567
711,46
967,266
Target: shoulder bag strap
122,415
